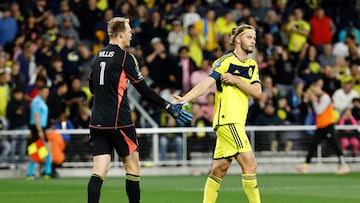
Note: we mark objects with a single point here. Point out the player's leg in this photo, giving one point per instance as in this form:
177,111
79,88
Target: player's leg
132,169
217,172
127,148
344,168
249,181
102,149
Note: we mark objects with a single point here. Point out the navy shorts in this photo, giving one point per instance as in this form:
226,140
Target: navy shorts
123,140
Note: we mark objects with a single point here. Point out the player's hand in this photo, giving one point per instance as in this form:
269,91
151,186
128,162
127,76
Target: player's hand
182,117
228,79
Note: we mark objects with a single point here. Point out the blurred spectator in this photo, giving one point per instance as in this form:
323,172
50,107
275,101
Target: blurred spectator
45,52
350,29
56,101
284,70
154,27
31,29
355,76
18,116
270,117
101,37
5,92
170,141
8,26
32,90
40,10
225,23
190,16
294,99
85,63
57,73
355,110
175,38
27,60
269,88
299,31
353,48
341,69
258,10
206,27
162,67
65,14
272,24
187,66
139,24
169,92
17,79
198,76
63,123
88,15
70,57
49,27
349,137
343,97
326,57
322,29
131,89
310,68
68,29
256,108
331,82
196,43
75,98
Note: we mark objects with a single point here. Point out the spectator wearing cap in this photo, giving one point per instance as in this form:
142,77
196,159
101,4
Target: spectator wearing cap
67,29
70,57
8,27
45,52
175,38
349,29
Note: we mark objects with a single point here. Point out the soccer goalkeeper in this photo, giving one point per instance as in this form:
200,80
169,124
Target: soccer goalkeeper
110,125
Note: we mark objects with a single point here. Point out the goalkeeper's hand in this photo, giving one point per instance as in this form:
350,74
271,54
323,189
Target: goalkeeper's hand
181,116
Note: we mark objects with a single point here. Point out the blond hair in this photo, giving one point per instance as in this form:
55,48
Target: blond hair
239,30
116,25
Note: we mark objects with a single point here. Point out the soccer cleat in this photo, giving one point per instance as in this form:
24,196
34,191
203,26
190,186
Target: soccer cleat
344,169
30,178
301,169
47,177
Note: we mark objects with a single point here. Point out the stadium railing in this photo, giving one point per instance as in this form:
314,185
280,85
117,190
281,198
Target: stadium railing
256,134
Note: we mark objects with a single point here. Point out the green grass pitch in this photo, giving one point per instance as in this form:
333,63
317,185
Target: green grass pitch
274,188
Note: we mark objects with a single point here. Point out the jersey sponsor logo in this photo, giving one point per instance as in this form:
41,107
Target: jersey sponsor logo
106,53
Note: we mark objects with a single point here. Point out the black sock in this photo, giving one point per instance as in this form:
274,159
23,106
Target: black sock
94,188
133,188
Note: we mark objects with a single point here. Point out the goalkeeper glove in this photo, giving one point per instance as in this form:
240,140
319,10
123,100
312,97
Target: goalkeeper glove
181,116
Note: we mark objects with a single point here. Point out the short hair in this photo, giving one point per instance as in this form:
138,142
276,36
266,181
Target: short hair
238,30
116,25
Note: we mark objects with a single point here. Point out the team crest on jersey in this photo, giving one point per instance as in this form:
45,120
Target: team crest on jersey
250,72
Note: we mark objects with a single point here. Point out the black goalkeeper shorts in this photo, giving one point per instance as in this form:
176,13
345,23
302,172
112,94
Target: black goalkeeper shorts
123,140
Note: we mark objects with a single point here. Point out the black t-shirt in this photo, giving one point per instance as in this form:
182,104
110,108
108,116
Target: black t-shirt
111,70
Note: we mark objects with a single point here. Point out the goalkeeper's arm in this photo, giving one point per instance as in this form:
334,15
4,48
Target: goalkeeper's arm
181,116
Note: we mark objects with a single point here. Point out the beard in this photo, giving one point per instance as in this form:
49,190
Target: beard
246,49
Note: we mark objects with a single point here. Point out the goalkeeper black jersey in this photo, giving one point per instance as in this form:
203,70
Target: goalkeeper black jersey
111,71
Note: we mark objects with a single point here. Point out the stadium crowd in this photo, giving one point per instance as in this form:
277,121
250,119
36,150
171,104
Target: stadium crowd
50,42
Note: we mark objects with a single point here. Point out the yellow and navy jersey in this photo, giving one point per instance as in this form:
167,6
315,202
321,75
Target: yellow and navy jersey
231,103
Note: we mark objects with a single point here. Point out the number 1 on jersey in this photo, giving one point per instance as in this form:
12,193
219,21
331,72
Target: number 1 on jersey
102,72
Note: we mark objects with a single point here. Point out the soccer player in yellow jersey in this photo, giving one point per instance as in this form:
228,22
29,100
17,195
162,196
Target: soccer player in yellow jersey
236,78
